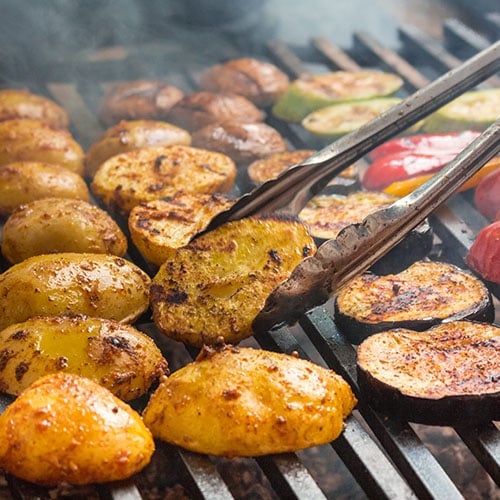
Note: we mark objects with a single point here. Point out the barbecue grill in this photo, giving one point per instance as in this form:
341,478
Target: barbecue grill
376,456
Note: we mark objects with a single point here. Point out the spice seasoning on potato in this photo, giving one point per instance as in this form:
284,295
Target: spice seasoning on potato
68,429
96,285
26,181
115,355
54,225
249,402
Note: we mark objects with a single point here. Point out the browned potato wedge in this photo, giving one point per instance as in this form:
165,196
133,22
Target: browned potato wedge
34,140
249,402
54,225
21,103
124,181
23,182
130,135
159,227
98,285
215,286
68,429
115,355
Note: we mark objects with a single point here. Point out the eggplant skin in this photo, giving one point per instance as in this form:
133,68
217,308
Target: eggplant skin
445,376
425,294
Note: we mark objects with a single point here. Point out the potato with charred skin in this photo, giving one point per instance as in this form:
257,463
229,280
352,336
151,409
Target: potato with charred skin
54,225
68,429
115,355
97,285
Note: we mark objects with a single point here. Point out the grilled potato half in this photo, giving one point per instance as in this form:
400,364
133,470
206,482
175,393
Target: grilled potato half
68,429
96,285
34,140
249,402
21,103
125,180
54,225
115,355
159,227
129,135
215,286
23,182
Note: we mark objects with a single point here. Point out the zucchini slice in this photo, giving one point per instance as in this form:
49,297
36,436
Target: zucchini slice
337,120
445,376
423,295
474,110
311,92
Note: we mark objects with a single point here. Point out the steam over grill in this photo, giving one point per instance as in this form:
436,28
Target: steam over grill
375,456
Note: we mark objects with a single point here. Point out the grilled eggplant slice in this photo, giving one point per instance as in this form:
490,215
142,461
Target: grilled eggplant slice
447,375
214,287
125,180
425,294
159,227
327,215
253,402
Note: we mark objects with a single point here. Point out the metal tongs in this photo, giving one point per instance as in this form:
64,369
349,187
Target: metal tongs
359,246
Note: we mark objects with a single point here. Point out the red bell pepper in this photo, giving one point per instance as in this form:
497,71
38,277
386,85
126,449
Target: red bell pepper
487,195
484,254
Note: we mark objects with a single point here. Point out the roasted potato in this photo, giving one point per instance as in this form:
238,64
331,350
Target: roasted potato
34,140
23,182
54,225
115,355
215,286
130,135
249,402
159,227
124,181
97,285
68,429
21,103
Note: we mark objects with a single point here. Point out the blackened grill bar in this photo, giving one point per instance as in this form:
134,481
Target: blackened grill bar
385,457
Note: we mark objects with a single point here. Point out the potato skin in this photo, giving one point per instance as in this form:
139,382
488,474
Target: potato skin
96,285
129,135
34,140
249,402
54,225
26,181
21,103
114,355
67,429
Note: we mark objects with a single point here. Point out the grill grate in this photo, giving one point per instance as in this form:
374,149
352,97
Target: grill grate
383,458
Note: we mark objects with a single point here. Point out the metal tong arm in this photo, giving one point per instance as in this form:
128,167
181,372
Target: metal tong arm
295,187
359,246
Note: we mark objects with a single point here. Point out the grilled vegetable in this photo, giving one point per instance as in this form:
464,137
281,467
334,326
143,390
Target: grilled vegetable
115,355
447,375
53,225
159,227
487,193
129,135
67,429
474,110
138,100
214,287
483,256
243,142
425,294
125,180
34,140
199,109
259,81
334,121
21,103
327,215
24,182
254,402
97,285
312,92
